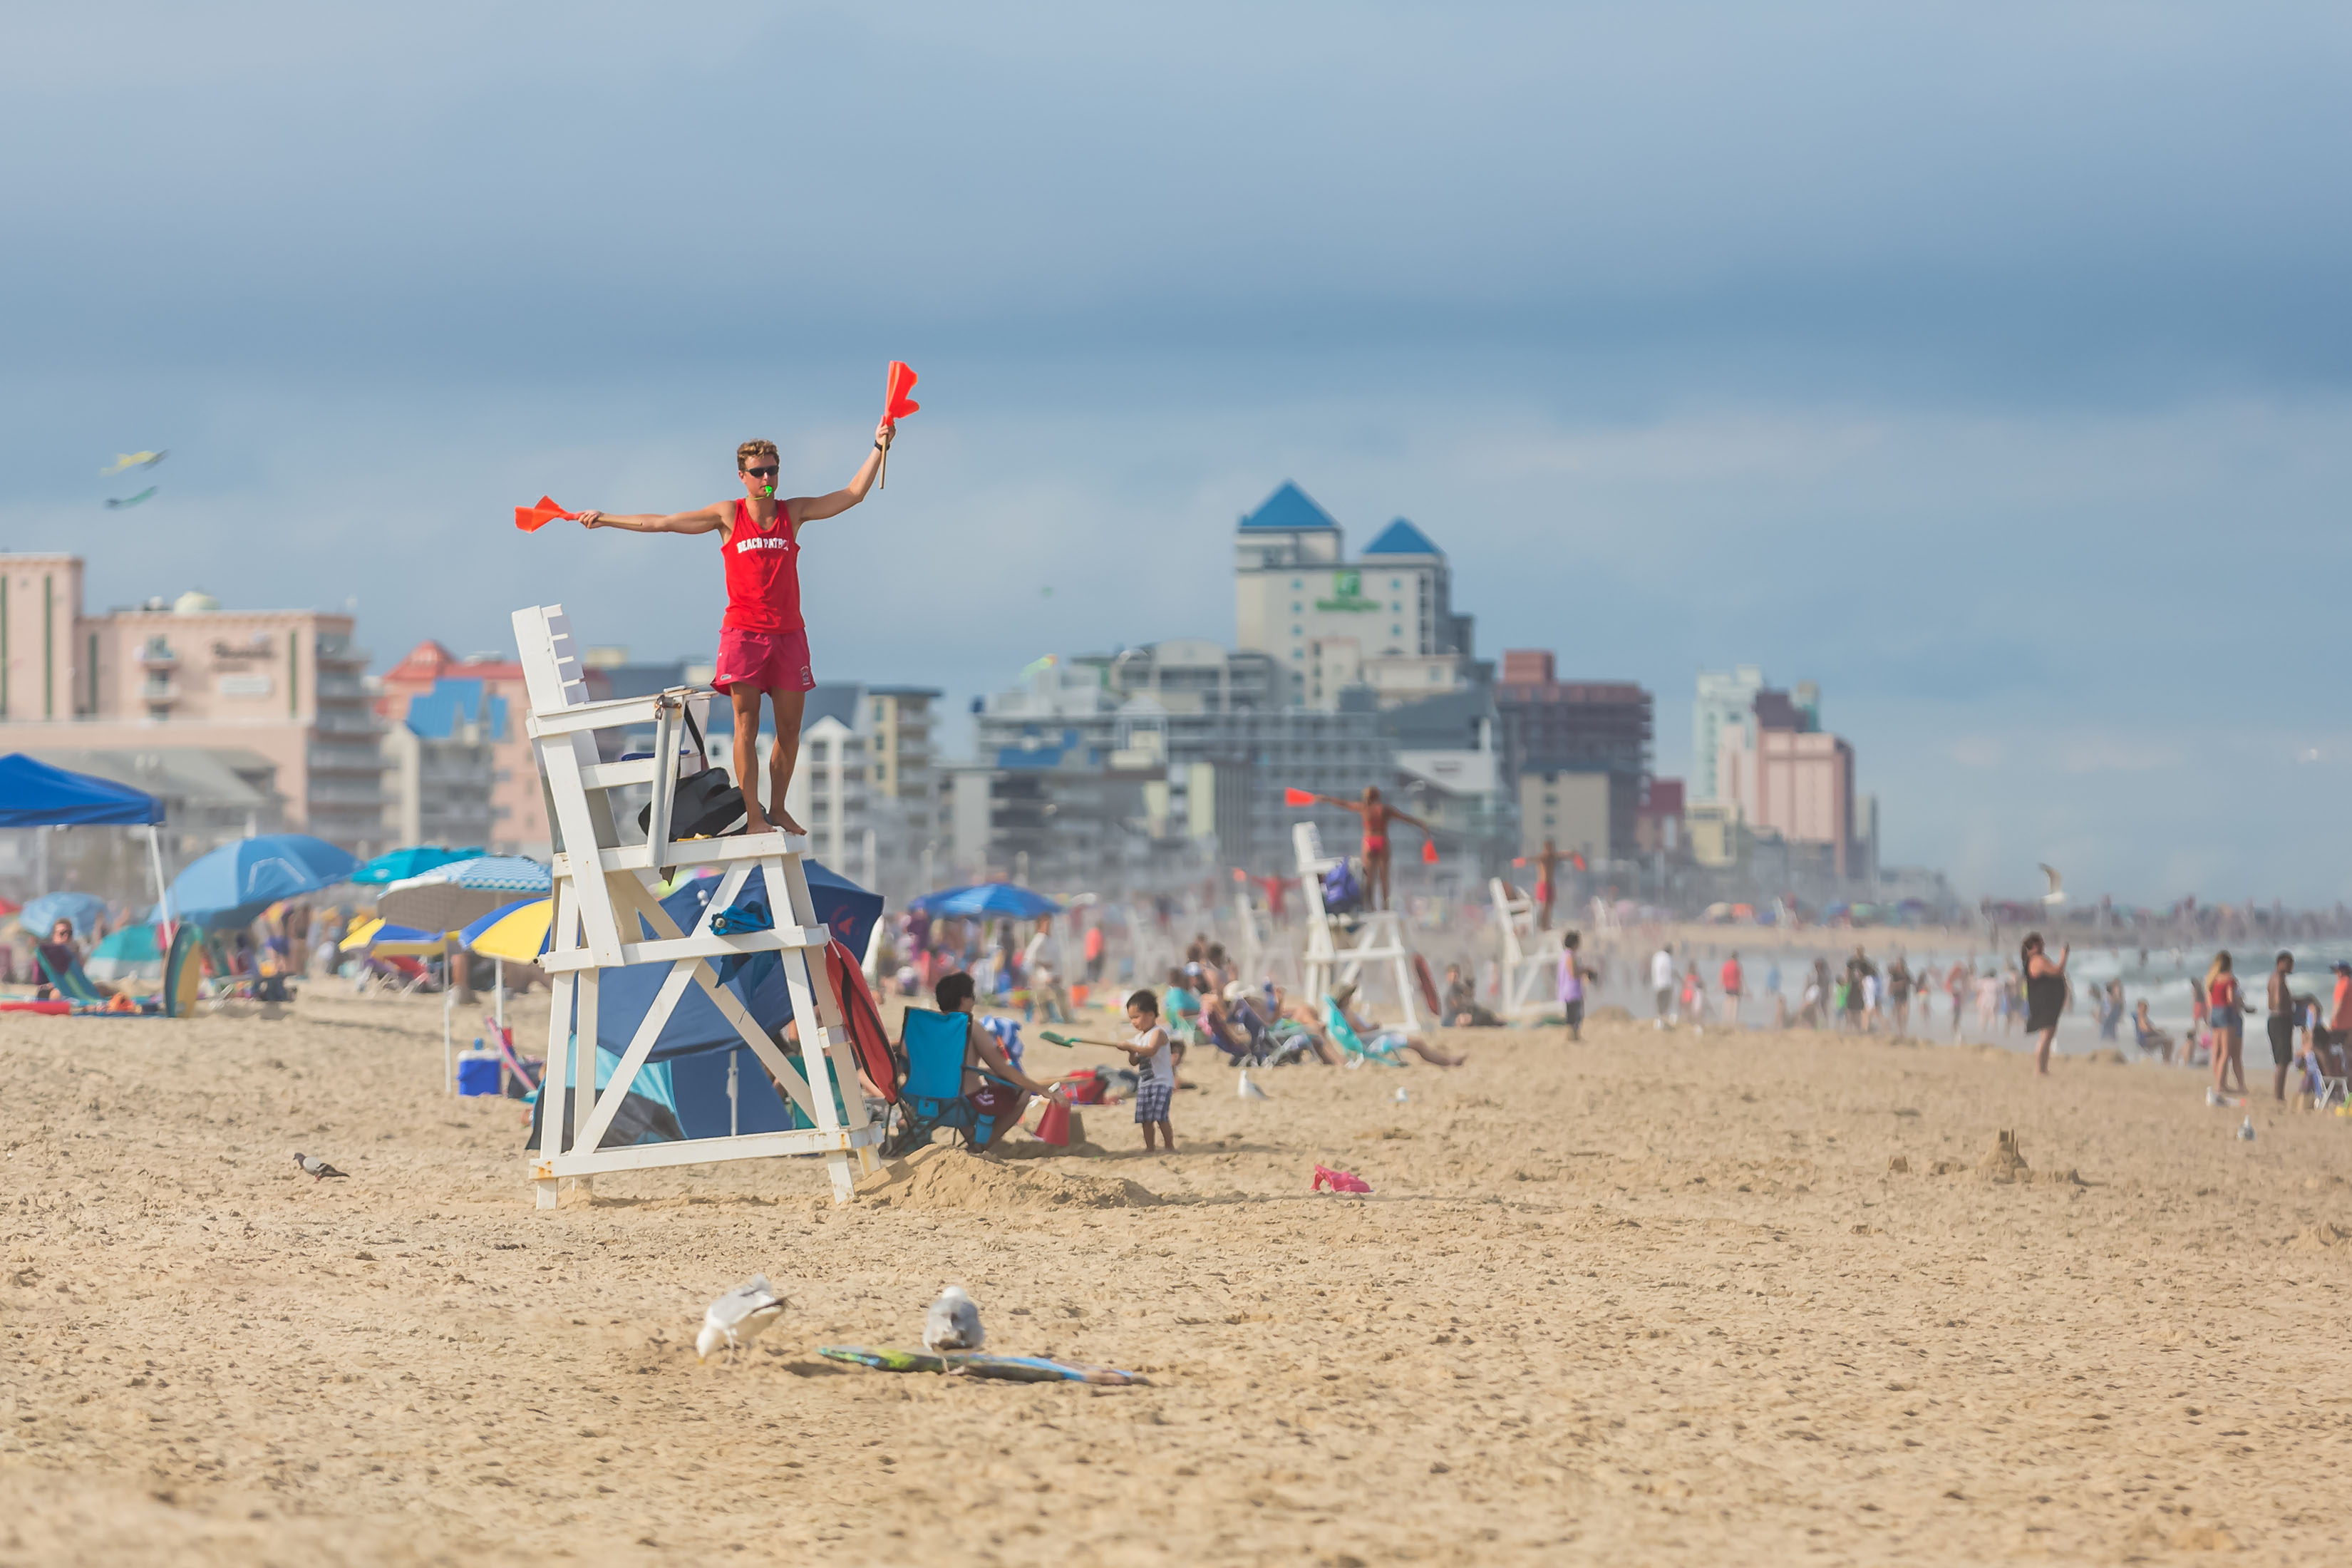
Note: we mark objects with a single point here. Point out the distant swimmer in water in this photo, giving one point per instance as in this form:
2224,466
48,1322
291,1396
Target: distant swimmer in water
2046,996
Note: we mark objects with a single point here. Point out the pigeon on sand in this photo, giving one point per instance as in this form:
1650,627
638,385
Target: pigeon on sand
317,1170
738,1318
953,1323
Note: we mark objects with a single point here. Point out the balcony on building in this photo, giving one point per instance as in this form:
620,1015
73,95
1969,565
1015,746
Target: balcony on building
337,653
157,655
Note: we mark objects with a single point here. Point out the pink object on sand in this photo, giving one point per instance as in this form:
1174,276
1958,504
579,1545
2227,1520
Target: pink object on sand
1339,1181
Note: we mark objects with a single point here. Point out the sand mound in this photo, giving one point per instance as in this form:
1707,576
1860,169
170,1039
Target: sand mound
943,1177
2321,1237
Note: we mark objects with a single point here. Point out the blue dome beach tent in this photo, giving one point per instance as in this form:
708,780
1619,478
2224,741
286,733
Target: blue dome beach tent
697,1046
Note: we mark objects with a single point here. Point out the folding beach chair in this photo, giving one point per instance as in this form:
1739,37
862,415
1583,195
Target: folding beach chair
934,1046
73,985
1343,1035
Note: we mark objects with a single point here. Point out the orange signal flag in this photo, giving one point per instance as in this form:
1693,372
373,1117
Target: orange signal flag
531,519
896,404
1428,852
1297,797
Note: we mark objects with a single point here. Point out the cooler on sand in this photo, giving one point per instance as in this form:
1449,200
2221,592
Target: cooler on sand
478,1072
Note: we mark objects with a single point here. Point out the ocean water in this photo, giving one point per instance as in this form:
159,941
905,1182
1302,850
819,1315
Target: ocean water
2159,975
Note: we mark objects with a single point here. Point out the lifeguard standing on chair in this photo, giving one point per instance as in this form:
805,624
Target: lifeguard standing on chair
763,643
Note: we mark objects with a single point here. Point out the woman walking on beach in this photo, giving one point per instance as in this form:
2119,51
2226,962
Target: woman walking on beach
2046,996
2224,1012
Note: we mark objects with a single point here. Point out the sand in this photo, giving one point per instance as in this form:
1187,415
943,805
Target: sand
1652,1298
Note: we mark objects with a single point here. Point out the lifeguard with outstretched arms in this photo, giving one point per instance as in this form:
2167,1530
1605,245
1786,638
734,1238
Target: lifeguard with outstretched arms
763,643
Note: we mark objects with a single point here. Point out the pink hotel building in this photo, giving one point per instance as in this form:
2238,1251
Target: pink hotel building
285,684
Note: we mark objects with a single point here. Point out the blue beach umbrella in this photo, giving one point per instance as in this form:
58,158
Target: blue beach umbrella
231,885
399,865
988,899
85,909
449,897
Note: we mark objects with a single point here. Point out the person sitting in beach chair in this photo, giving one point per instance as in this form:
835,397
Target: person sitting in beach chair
958,1077
1350,1030
60,962
2147,1036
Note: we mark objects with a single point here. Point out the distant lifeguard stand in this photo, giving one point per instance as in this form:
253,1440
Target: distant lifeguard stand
1525,973
604,902
1378,934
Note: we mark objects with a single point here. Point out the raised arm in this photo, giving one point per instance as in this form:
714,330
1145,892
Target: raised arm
1396,816
1357,806
809,509
992,1055
702,520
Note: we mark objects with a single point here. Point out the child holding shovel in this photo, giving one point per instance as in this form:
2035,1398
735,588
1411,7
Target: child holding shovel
1155,1066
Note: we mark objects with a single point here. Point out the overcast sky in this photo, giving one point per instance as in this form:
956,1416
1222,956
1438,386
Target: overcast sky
1989,364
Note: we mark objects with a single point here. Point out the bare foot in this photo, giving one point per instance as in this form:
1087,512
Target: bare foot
754,822
784,820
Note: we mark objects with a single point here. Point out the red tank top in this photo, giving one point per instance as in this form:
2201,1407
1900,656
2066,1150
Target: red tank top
764,575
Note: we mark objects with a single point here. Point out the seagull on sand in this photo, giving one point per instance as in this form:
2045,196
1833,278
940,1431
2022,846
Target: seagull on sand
317,1170
1247,1088
953,1323
2057,893
738,1318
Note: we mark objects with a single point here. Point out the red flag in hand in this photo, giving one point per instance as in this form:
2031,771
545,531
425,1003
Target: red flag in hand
896,404
531,519
1297,797
1428,852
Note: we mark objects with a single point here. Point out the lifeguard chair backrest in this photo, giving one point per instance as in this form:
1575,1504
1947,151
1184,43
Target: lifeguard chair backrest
1308,840
935,1044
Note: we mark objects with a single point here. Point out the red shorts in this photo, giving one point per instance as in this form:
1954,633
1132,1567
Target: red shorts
768,661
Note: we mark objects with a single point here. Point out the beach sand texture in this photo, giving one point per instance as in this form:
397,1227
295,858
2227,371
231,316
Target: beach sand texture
1651,1298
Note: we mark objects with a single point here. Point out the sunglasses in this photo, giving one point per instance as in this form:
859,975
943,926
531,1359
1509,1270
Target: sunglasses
767,473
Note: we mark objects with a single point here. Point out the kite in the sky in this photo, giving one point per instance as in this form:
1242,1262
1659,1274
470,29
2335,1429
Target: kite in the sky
130,500
127,460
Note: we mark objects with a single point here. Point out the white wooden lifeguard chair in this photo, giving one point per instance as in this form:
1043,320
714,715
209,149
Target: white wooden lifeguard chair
1379,936
604,889
1529,973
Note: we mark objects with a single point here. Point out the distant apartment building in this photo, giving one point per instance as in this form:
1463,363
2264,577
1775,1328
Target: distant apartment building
473,710
1384,621
283,685
1777,774
1214,721
1579,750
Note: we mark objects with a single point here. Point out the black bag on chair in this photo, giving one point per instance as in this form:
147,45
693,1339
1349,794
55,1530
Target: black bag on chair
707,803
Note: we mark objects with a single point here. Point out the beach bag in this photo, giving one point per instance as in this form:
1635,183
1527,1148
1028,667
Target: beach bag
706,804
1343,894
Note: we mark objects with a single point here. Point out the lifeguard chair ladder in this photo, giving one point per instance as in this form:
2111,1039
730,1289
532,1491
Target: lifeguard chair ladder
604,902
1325,966
1524,973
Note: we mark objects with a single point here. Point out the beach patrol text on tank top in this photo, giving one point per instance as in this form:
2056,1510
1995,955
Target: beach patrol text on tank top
764,575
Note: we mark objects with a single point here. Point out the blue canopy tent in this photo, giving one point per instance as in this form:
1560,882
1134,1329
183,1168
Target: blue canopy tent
35,795
698,1044
229,886
1005,898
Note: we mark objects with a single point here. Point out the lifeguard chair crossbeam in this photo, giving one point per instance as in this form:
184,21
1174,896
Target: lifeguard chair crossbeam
604,906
